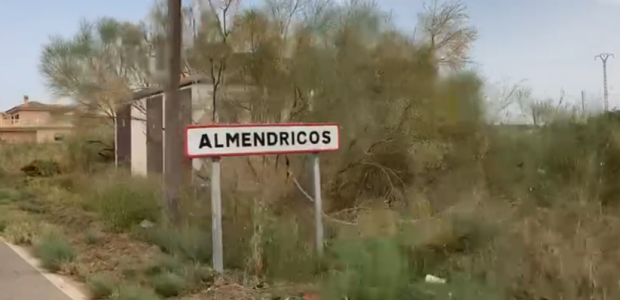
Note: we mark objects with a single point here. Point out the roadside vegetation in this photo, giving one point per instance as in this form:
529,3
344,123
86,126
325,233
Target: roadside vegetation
424,183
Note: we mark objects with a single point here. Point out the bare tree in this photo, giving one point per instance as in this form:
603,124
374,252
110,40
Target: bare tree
543,112
502,98
444,24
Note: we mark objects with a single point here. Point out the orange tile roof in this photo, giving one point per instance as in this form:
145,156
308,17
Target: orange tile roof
37,106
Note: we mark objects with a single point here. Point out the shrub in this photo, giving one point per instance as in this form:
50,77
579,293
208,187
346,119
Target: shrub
68,182
168,284
3,225
101,286
15,156
92,237
288,250
134,292
187,242
371,269
123,202
89,151
8,195
163,264
33,205
24,232
53,250
459,286
196,275
42,168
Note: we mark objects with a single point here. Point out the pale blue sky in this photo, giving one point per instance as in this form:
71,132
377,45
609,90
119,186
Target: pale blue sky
551,43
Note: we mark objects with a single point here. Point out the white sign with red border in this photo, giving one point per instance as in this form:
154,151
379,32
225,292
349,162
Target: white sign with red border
260,139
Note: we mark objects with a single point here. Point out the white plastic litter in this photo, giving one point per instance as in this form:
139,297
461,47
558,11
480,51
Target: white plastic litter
434,279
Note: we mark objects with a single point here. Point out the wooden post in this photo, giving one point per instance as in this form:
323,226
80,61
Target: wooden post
173,152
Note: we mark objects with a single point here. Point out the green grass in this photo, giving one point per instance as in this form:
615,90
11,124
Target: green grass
53,250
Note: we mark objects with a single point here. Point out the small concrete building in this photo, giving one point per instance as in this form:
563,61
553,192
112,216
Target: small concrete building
140,130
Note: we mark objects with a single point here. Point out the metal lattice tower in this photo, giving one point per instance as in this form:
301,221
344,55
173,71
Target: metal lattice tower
604,57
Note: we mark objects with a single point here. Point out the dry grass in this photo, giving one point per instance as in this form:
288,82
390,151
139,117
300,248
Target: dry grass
16,158
508,232
488,245
101,230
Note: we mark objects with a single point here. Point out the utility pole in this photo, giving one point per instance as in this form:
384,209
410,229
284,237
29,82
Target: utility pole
173,139
604,57
583,103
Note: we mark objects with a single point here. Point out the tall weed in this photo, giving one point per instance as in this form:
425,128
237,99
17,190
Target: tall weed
122,201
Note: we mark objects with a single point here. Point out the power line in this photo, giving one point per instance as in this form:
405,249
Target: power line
604,57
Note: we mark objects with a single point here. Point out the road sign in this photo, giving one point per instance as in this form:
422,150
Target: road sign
260,139
219,140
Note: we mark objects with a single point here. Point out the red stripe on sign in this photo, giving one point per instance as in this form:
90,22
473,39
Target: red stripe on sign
312,296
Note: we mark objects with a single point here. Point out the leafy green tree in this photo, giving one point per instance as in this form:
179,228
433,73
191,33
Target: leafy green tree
100,65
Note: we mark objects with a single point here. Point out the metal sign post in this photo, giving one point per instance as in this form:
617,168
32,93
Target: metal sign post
318,204
218,140
216,216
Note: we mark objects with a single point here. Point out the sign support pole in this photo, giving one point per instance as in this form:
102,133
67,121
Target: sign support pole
216,215
219,140
318,203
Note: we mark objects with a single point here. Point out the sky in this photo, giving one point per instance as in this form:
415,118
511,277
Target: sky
548,44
